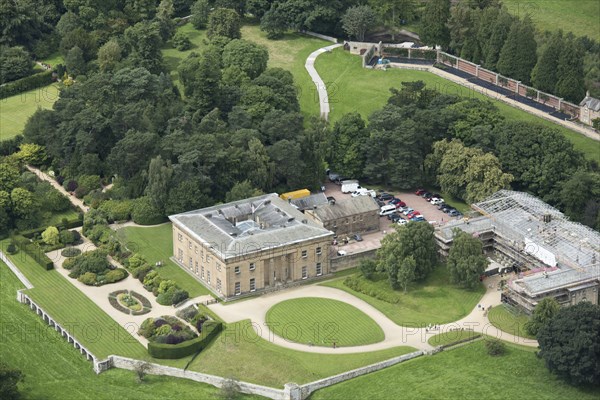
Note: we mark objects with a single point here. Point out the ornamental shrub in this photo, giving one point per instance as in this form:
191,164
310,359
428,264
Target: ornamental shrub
89,278
115,275
66,237
70,252
145,213
11,248
179,296
495,347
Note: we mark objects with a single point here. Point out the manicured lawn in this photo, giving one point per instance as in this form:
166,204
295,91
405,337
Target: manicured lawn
451,337
467,372
578,16
172,57
323,322
156,244
55,370
434,301
355,89
509,321
57,217
15,110
239,352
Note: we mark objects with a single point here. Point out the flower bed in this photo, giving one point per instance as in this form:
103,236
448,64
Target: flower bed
129,302
166,330
70,252
93,269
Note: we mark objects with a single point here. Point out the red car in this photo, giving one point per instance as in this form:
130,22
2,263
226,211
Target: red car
419,192
413,214
401,204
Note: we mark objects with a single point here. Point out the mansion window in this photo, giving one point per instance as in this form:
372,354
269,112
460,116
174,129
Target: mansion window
318,251
189,245
202,272
252,284
218,285
319,269
196,267
218,267
304,272
237,269
180,255
252,266
196,249
191,263
238,288
304,253
180,237
208,277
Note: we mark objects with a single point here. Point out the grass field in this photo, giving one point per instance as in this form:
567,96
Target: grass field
466,372
508,322
55,370
450,337
239,352
56,217
352,88
582,17
434,301
156,244
289,53
323,322
15,110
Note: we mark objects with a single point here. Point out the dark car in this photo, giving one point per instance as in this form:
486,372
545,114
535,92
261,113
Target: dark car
454,213
395,217
442,205
390,216
380,203
357,237
448,209
428,196
394,201
385,196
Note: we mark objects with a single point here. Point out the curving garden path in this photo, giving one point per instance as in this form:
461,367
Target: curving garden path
316,78
395,335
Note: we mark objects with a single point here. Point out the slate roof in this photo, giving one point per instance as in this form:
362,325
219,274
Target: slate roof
250,225
309,202
591,103
354,206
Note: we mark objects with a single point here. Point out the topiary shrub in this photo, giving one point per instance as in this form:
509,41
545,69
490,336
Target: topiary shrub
115,275
495,347
145,213
11,248
89,278
179,296
66,237
70,252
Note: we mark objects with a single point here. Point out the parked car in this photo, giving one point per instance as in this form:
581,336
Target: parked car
401,209
442,205
419,192
454,213
413,214
450,209
408,211
350,186
400,204
357,237
395,200
428,196
385,196
418,218
402,222
342,253
396,218
388,209
380,203
435,200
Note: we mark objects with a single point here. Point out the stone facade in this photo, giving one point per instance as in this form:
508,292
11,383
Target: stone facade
234,252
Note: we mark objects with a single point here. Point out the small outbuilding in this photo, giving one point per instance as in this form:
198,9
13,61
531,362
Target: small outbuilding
355,215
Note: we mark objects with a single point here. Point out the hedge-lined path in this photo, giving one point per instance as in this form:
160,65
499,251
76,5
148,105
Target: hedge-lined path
256,309
45,177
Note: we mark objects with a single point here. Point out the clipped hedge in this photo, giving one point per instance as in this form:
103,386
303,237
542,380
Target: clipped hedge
34,251
210,329
27,83
70,224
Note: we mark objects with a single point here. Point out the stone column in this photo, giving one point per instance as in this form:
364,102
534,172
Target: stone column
292,391
517,87
497,79
477,70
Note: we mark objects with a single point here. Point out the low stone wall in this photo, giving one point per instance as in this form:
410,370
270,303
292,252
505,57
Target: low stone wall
217,381
320,36
351,260
307,389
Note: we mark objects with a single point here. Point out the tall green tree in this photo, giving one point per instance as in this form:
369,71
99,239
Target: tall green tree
349,139
250,57
200,75
144,41
164,18
544,75
501,24
15,63
570,344
75,62
200,11
242,190
416,240
358,20
9,381
578,192
160,175
224,22
570,82
394,13
434,30
543,313
109,55
466,261
406,272
518,55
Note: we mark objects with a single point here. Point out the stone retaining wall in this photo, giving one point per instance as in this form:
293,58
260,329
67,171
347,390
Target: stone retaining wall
351,260
320,36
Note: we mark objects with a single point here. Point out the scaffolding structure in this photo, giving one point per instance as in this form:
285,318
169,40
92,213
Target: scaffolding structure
561,258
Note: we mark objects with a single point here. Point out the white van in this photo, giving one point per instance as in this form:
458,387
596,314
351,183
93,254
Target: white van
350,186
388,209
